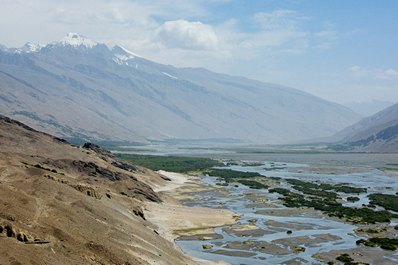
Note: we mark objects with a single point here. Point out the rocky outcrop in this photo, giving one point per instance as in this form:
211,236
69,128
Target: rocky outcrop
134,189
98,149
124,166
94,170
5,119
89,191
86,168
10,231
142,193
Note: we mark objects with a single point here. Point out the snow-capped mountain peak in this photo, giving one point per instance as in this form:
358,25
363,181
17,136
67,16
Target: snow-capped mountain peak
76,40
31,47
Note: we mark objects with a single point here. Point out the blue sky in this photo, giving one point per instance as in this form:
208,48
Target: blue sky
341,50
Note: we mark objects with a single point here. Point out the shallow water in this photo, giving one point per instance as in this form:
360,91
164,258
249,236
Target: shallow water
306,223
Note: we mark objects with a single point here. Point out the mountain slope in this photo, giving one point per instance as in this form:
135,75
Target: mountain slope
377,133
80,88
61,204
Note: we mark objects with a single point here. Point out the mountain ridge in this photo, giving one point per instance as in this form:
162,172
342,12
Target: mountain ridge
98,88
377,133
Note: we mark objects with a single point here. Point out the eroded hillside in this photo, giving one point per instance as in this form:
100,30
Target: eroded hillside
61,204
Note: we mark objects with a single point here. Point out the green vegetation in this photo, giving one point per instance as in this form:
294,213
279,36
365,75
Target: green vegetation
284,192
327,203
207,246
352,199
311,189
384,243
323,197
306,186
371,230
229,176
275,178
171,163
344,258
347,260
233,163
388,201
298,249
252,184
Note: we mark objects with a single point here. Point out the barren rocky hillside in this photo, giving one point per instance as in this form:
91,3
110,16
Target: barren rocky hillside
61,204
377,133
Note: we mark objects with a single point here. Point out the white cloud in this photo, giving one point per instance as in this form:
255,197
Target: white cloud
356,70
278,20
383,74
282,31
389,74
103,20
325,39
187,35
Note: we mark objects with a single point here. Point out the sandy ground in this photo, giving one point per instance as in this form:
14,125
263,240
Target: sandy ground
391,173
177,180
173,219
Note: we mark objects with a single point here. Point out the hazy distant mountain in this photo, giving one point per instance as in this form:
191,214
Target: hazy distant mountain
368,108
80,88
377,133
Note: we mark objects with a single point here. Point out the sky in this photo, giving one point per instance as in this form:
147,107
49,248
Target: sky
340,50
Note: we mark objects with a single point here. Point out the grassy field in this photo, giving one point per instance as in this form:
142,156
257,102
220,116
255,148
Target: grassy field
171,163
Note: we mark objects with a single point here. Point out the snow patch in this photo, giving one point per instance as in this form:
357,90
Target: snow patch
169,75
122,55
76,40
30,47
122,59
120,49
27,48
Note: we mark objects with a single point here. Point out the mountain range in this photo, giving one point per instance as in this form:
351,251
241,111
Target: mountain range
77,88
377,133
